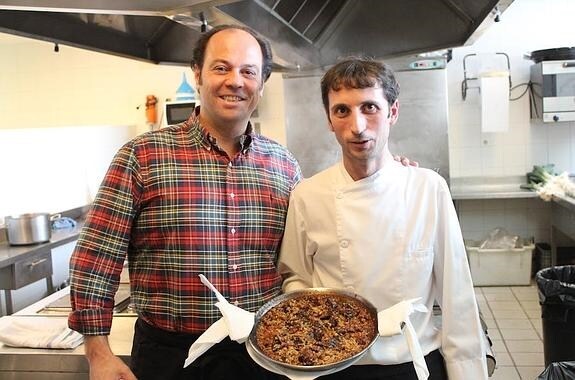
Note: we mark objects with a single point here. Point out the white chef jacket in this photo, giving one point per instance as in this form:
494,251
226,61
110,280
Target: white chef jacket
389,237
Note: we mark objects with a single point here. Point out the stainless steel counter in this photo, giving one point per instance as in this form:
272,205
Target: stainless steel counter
10,254
489,188
36,364
21,265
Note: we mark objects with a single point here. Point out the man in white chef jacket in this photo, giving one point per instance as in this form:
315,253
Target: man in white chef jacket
384,231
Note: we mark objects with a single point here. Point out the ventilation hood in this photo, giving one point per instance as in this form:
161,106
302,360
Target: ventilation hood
305,34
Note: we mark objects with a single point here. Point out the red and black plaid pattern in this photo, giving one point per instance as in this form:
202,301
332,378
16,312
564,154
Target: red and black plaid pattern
176,206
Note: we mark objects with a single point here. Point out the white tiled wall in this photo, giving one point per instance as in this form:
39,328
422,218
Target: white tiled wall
527,25
63,115
75,87
528,217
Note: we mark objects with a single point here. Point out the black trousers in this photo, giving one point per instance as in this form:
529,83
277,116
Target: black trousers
160,355
404,371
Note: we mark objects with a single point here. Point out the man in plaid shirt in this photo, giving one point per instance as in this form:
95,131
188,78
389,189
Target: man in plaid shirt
208,196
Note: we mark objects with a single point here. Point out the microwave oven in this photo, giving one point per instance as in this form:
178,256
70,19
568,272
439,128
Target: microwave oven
178,111
553,90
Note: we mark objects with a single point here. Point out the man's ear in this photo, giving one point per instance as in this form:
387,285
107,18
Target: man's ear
197,75
393,112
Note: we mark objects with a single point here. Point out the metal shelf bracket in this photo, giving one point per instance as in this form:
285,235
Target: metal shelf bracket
465,83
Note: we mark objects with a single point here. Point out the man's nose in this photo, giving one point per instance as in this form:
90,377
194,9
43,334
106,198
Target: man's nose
358,123
234,78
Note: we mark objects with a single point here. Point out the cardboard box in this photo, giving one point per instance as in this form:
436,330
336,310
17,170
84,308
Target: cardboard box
500,267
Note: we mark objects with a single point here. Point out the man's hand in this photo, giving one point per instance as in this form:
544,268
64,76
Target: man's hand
104,365
405,161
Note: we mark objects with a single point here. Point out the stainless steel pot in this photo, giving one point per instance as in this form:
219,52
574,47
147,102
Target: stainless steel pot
28,228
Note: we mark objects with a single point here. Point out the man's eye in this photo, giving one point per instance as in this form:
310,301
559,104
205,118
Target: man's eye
370,108
220,69
340,111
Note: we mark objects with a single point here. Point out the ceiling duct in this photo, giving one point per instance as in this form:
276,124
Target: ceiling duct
305,34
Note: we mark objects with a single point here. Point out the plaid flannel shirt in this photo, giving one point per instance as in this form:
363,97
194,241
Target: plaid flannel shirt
175,206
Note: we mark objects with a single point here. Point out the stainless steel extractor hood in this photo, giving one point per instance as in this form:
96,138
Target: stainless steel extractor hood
305,34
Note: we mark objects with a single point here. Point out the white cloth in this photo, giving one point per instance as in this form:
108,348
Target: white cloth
235,323
38,332
390,237
390,322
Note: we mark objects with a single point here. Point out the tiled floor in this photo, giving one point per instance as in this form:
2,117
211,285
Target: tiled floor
513,317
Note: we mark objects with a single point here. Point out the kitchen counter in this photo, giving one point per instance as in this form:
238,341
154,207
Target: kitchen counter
489,188
31,363
9,254
22,265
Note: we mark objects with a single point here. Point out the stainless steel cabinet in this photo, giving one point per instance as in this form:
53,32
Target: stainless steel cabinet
26,271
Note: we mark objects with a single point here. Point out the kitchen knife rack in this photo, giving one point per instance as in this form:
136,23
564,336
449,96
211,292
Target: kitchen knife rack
465,83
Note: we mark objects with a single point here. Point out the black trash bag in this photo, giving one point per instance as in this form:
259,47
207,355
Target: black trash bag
558,371
556,286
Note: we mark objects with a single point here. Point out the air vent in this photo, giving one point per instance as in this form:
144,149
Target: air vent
309,18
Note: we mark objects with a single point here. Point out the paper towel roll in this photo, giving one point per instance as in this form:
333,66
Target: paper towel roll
494,101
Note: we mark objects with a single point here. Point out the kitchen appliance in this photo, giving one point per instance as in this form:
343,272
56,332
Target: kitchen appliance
178,111
419,134
27,229
553,85
63,306
303,34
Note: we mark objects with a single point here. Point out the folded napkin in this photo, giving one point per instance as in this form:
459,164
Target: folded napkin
235,323
395,320
38,332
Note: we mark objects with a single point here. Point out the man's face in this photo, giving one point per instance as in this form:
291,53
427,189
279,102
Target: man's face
361,120
230,81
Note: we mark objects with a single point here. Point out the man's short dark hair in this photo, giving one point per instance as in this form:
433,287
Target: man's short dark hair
359,72
199,51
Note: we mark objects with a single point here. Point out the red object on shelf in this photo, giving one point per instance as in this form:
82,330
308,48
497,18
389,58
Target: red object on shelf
151,114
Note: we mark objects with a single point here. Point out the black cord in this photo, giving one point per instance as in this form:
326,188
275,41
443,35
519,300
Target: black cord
527,88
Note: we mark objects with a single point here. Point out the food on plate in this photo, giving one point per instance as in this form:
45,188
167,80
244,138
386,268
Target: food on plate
316,329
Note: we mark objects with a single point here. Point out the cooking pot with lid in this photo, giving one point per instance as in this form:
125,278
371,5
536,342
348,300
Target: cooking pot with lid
29,228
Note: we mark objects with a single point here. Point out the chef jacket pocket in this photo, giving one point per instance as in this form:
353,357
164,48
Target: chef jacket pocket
419,263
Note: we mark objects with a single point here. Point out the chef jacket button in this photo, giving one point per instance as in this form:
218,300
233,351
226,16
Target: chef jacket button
339,195
344,244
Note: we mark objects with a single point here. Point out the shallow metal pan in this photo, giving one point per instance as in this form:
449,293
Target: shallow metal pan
252,339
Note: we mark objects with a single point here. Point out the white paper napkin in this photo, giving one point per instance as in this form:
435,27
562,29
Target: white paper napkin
214,334
236,323
395,320
38,332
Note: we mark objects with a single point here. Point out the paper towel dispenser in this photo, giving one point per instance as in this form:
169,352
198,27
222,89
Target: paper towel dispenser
553,89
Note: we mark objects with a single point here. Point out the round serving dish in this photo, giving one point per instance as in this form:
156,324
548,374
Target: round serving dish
252,339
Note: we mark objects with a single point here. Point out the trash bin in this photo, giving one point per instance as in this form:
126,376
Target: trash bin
558,371
556,288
